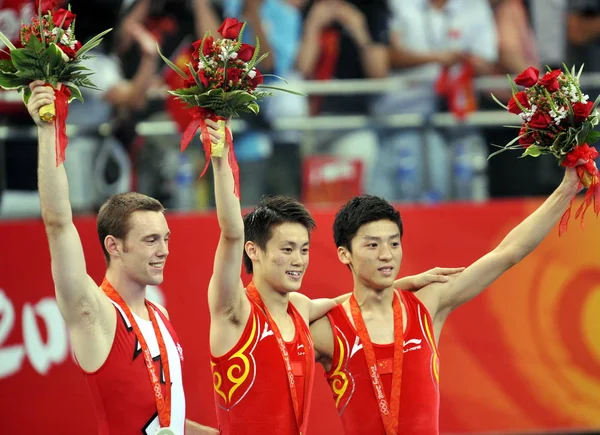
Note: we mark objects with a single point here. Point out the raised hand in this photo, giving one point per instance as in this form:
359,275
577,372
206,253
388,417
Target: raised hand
41,95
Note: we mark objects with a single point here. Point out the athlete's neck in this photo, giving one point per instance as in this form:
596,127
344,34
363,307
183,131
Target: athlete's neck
133,293
373,300
275,301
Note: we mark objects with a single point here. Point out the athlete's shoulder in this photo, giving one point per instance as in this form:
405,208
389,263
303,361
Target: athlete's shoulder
162,309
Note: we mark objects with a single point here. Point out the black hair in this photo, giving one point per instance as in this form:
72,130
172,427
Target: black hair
360,211
269,213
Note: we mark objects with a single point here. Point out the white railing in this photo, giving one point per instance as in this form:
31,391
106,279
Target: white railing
332,122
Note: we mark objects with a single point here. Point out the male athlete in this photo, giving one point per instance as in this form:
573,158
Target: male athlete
124,344
379,347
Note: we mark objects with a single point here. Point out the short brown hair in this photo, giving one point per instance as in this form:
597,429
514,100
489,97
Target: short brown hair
113,217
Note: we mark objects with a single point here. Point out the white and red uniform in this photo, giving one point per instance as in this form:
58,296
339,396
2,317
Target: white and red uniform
122,394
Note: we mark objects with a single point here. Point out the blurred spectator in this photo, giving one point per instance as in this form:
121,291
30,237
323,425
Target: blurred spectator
516,41
161,170
583,32
549,18
270,160
432,39
17,154
99,165
345,40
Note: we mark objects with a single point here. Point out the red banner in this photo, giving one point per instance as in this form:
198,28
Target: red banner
524,356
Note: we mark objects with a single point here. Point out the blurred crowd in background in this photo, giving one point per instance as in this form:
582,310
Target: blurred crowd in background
417,59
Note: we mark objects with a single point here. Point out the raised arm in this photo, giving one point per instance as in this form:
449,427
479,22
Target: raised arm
225,292
523,239
76,293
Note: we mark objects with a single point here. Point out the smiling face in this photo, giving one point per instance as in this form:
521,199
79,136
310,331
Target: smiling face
375,254
283,261
144,250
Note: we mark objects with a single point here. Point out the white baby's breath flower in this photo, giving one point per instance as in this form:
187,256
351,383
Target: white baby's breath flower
252,73
233,55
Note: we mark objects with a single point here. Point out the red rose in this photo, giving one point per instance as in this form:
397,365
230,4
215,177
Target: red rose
581,111
190,81
246,52
47,5
528,78
521,97
540,120
257,80
550,80
203,78
233,75
526,139
60,15
230,28
71,52
208,47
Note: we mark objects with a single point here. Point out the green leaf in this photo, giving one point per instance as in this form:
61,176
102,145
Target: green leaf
7,42
254,108
35,45
54,54
276,76
12,81
75,91
23,59
583,133
532,151
195,75
593,137
201,49
498,101
92,43
276,88
26,94
257,61
513,85
7,66
171,64
256,53
241,34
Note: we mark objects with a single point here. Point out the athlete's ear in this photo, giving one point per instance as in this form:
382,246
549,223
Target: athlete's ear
343,255
251,250
113,246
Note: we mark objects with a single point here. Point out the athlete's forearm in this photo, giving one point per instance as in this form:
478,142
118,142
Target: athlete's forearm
229,211
52,181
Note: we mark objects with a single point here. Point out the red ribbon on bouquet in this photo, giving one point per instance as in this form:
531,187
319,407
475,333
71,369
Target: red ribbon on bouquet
589,176
199,114
61,107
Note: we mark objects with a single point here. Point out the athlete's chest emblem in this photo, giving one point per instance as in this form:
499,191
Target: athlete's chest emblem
235,376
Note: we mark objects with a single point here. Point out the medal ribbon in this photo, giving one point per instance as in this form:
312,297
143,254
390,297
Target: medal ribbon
163,403
389,410
304,334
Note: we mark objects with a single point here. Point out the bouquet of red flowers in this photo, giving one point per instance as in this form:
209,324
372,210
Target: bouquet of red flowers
51,53
222,81
558,119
